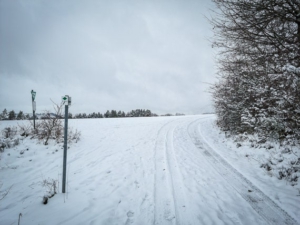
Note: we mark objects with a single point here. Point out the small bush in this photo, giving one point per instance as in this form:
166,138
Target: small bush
266,166
51,187
9,132
74,135
2,146
16,141
25,129
50,126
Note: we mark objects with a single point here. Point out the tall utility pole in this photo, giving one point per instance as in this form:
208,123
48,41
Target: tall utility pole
33,94
67,101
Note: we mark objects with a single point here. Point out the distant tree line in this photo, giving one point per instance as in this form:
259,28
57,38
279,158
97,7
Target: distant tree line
12,115
115,114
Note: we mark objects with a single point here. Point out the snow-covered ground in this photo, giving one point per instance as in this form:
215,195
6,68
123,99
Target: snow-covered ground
162,170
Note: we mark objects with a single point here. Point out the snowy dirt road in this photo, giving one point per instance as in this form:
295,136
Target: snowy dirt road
194,185
141,171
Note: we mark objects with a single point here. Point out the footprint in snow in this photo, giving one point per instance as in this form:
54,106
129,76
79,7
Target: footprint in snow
129,220
130,214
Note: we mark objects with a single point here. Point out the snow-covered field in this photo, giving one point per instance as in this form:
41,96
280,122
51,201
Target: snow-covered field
162,170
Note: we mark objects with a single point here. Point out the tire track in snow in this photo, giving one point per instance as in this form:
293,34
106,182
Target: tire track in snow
170,158
260,202
169,196
164,208
182,215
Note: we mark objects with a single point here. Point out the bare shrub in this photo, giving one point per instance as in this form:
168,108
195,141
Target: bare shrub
8,143
9,132
289,174
16,141
2,146
50,125
74,135
8,138
51,187
25,129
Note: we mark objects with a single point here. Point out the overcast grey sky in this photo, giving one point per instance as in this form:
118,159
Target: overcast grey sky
119,55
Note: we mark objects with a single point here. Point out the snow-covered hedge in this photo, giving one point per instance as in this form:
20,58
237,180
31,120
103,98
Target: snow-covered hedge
259,87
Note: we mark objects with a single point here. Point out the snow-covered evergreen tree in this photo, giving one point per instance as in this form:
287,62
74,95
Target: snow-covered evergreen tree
4,115
107,114
20,116
12,115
